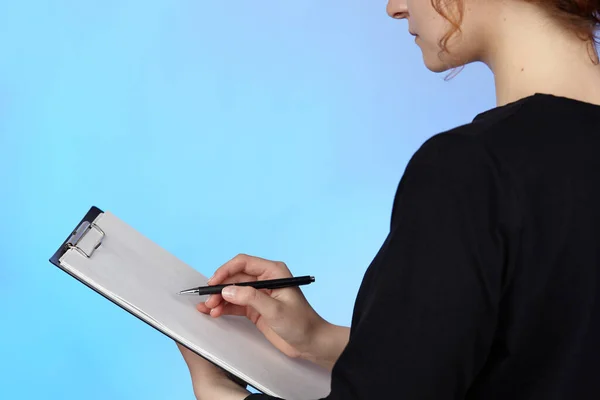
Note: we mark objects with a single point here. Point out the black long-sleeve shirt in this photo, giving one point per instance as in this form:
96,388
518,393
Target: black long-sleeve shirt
488,284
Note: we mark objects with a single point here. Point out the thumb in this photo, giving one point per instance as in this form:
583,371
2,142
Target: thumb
248,296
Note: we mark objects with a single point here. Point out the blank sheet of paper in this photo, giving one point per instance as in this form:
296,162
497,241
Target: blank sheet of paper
143,278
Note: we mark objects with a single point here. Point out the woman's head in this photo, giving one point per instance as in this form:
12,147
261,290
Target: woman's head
452,33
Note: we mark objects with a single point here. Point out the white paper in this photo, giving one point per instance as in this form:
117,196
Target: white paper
144,278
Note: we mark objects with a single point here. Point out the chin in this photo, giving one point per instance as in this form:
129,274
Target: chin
437,66
434,64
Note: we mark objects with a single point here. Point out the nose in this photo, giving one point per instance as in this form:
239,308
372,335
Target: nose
397,9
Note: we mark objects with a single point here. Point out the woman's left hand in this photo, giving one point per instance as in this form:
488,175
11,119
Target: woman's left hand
209,381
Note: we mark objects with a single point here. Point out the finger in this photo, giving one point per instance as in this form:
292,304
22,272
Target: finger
214,312
254,266
215,299
228,309
239,277
180,347
185,352
264,304
203,308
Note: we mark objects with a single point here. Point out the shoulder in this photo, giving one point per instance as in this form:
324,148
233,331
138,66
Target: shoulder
451,172
486,143
489,147
472,165
459,154
452,167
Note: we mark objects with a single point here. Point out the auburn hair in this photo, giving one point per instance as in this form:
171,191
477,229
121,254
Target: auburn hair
581,17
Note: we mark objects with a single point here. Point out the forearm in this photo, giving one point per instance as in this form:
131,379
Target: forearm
329,342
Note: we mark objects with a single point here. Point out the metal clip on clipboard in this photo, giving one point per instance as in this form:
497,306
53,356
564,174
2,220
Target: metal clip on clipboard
81,240
86,238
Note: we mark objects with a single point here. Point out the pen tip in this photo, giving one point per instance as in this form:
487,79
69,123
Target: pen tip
189,291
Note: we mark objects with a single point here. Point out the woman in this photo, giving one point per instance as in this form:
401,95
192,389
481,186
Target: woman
488,283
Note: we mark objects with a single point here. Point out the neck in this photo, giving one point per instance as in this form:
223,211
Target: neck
530,56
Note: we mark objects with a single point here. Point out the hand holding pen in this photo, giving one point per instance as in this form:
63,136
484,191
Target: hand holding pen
282,314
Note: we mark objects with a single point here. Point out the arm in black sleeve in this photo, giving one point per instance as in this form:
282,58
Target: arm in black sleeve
426,312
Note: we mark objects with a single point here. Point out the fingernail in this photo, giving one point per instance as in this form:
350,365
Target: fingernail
207,299
229,291
210,279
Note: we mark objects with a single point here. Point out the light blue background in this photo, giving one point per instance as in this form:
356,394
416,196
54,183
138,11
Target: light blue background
274,128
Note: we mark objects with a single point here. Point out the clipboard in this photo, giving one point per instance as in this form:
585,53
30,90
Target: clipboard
116,261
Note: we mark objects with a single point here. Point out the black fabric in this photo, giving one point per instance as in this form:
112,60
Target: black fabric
487,285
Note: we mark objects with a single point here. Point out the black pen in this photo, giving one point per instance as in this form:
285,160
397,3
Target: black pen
266,284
